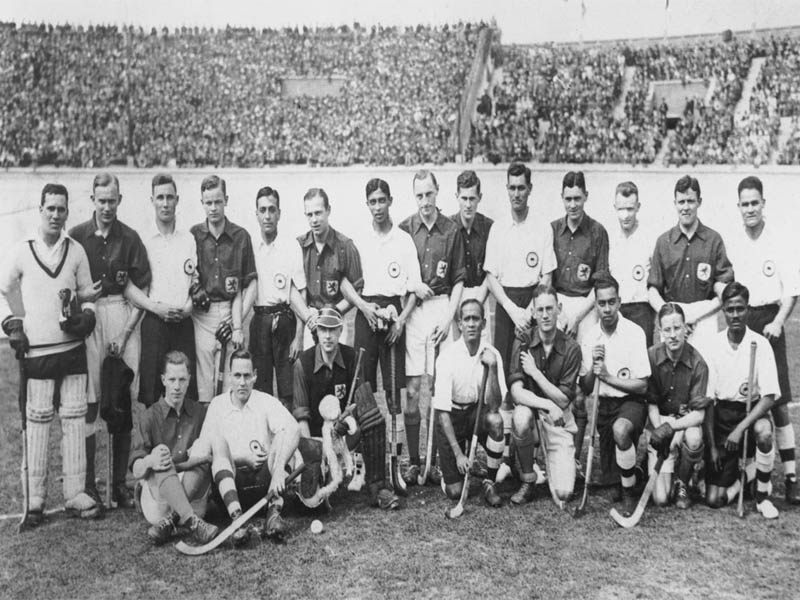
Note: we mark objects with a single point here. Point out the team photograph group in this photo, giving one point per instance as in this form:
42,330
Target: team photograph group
613,334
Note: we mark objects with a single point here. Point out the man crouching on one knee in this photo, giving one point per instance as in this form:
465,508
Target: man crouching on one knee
175,484
676,403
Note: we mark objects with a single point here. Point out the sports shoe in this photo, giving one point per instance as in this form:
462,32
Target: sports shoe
276,528
162,531
241,536
490,495
541,476
525,493
435,475
122,496
628,502
34,518
791,491
386,499
201,532
682,499
767,509
503,472
83,506
411,475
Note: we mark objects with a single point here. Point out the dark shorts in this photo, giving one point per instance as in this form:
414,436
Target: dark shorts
504,331
58,365
757,318
727,415
272,330
463,424
631,408
376,351
252,485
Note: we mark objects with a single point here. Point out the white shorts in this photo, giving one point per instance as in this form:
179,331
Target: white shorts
570,305
208,348
423,320
154,508
669,463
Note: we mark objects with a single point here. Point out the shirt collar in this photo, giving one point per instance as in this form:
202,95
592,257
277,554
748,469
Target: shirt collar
226,229
36,236
685,357
188,406
559,343
583,226
675,233
308,238
319,362
114,231
478,224
417,222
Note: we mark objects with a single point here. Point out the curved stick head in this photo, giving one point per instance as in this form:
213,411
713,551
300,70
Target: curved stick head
455,512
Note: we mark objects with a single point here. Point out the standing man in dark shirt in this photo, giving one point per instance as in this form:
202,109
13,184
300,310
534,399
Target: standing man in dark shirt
117,258
440,251
330,261
226,266
581,246
474,230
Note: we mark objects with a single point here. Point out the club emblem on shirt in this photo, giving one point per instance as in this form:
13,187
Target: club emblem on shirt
121,278
189,267
231,285
279,280
743,389
584,271
340,390
331,287
394,270
532,260
256,447
638,273
703,271
441,269
624,373
769,268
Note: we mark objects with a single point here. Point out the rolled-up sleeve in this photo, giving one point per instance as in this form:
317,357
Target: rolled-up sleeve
300,406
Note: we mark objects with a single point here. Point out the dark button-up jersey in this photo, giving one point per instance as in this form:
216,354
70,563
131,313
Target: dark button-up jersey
581,255
226,264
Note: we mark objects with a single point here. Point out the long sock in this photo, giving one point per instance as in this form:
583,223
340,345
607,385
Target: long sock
494,456
764,464
626,461
91,449
122,448
525,450
508,416
171,490
688,459
732,491
226,485
412,437
784,439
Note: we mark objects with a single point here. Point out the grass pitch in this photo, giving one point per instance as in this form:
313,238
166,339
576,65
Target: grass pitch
535,551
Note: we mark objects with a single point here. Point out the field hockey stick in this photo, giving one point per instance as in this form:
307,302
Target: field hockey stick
223,355
348,407
743,476
109,466
423,476
398,483
237,524
23,401
543,438
458,509
579,512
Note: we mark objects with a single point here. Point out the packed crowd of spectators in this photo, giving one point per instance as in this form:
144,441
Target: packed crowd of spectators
92,96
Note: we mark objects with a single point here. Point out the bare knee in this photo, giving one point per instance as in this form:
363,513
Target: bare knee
522,420
622,429
715,497
494,424
453,490
763,433
693,438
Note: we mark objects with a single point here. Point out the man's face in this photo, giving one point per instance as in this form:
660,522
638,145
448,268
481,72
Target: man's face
378,203
518,192
627,209
268,214
176,380
214,202
574,198
673,332
546,311
317,215
165,201
687,204
329,338
54,213
471,322
751,205
243,378
106,200
607,302
425,193
468,200
735,311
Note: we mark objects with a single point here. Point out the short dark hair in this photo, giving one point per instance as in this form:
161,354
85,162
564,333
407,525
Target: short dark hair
751,182
734,289
377,184
423,174
163,179
604,281
466,180
544,290
686,183
626,189
467,302
56,189
671,308
317,192
176,357
213,182
574,179
517,169
241,353
105,180
266,192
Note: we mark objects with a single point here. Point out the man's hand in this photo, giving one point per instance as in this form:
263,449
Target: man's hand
294,348
369,310
773,330
237,338
462,462
162,311
572,326
423,292
200,299
255,460
661,437
599,361
395,331
311,322
80,325
733,440
529,364
716,458
440,332
278,483
97,289
520,316
699,403
488,359
341,428
160,458
13,328
116,347
556,415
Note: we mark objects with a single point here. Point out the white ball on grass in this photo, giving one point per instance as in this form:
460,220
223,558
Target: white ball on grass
316,526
